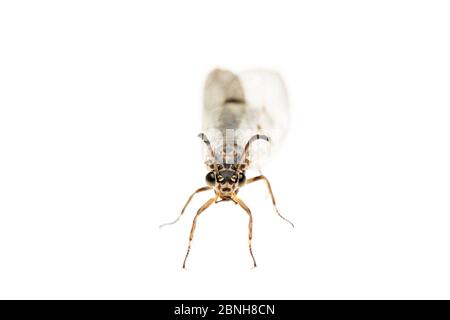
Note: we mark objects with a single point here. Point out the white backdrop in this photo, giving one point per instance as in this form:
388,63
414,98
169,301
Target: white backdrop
100,105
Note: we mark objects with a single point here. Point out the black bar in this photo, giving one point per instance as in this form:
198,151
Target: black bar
222,309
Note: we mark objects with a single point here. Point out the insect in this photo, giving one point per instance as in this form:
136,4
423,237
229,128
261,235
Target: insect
243,116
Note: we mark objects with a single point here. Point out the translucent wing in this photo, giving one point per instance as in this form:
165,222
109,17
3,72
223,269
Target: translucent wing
224,101
238,107
267,104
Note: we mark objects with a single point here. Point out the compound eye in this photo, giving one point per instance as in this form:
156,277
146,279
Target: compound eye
210,178
242,179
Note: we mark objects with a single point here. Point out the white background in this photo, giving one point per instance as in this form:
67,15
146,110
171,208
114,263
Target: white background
100,105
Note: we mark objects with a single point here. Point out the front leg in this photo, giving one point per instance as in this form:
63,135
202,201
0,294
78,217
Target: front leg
261,177
185,206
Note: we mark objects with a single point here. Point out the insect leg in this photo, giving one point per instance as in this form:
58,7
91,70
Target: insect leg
185,206
250,226
194,223
261,177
